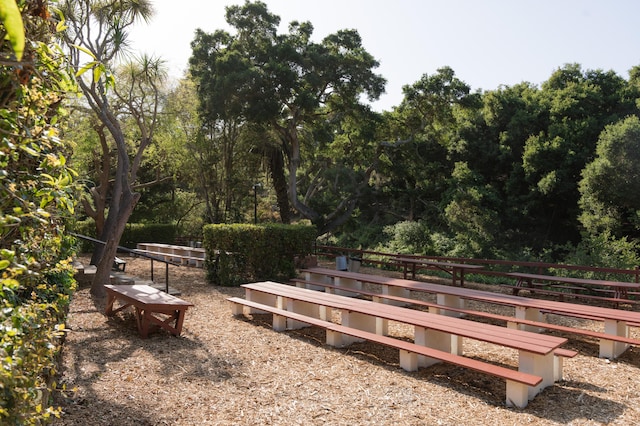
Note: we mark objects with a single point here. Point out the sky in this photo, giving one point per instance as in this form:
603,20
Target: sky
488,43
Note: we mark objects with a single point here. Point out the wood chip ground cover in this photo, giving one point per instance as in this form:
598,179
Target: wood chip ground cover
226,370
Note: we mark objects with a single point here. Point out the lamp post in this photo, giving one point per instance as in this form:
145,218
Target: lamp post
255,202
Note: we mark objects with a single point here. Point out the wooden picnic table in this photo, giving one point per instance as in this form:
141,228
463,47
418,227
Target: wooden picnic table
444,333
620,289
616,321
151,307
456,270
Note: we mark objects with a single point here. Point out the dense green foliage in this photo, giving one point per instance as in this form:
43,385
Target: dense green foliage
239,254
290,95
36,199
519,172
133,234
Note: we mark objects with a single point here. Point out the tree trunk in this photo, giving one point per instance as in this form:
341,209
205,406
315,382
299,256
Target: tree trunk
276,169
113,230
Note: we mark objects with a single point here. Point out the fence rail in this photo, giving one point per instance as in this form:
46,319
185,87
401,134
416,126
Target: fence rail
495,266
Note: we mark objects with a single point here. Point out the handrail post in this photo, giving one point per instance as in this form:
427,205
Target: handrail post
166,276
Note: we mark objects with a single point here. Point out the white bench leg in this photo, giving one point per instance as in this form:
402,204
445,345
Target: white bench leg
395,291
279,322
558,366
346,284
530,314
438,340
540,365
259,297
335,339
358,321
451,301
517,394
237,309
608,348
408,360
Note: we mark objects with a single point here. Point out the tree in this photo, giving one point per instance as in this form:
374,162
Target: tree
97,33
611,182
417,166
283,83
579,104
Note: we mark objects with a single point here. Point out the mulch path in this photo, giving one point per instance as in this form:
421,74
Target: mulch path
227,370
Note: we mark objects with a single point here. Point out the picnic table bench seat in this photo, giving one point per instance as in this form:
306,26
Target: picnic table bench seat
619,289
536,352
550,290
517,381
617,322
152,307
509,320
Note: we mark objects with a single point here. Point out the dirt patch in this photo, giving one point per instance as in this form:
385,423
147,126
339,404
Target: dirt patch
226,370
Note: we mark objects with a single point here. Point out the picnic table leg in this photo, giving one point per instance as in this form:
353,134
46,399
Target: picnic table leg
540,365
111,298
438,340
260,297
531,314
608,348
142,321
451,301
358,321
460,275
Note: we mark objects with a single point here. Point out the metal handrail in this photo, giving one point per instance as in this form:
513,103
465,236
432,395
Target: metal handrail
137,253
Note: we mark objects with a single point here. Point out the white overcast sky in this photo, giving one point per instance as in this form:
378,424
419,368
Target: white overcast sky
487,43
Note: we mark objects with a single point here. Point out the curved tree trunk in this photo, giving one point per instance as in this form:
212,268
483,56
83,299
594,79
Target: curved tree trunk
276,169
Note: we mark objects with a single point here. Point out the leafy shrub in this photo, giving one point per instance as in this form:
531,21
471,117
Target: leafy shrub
36,201
242,253
133,234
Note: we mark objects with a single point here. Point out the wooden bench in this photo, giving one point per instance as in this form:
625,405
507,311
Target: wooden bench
456,270
151,307
619,289
182,254
442,333
119,264
509,320
408,350
616,321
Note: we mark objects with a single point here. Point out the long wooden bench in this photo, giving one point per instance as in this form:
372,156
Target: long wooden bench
619,289
408,350
535,351
441,309
151,307
616,321
183,254
456,270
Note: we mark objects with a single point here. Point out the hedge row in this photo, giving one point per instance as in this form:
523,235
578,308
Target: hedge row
241,253
133,234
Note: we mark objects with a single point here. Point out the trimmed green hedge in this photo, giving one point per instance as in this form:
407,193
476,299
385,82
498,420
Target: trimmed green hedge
134,233
241,253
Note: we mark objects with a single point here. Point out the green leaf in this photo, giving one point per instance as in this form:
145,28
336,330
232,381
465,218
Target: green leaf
86,68
85,50
12,19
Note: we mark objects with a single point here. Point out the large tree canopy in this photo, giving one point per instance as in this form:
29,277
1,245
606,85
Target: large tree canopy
285,83
611,182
